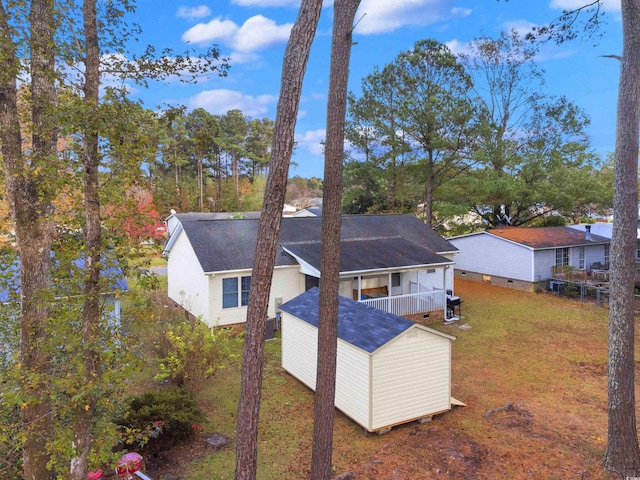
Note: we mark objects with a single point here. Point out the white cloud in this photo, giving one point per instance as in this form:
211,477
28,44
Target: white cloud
215,30
219,102
312,139
381,16
191,13
607,5
521,27
460,12
458,48
257,33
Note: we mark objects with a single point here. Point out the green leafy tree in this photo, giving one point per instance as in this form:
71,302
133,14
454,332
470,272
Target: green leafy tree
416,119
40,167
529,142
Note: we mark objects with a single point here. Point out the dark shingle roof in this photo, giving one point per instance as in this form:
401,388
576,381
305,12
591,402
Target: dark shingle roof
547,237
358,324
229,244
381,253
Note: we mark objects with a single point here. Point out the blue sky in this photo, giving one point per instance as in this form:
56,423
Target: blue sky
253,34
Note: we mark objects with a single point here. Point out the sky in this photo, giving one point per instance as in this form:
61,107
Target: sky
253,35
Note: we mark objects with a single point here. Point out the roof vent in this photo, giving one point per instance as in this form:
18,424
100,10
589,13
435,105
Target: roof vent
587,232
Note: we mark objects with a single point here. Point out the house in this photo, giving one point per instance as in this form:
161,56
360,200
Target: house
68,295
520,257
389,370
309,212
394,262
112,278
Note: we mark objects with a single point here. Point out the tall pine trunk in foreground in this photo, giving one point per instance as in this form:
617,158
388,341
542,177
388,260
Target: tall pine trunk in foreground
32,215
293,69
622,456
323,417
86,406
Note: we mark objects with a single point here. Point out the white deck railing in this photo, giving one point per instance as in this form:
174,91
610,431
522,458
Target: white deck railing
410,303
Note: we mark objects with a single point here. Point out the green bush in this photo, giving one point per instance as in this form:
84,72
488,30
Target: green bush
189,353
158,420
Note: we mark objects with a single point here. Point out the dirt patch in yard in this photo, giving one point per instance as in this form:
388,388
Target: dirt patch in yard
530,367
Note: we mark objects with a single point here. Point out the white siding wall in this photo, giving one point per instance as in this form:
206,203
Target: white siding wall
545,259
352,383
299,349
299,354
487,254
287,283
594,254
187,284
411,378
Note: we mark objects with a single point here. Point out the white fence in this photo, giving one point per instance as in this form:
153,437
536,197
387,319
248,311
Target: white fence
401,305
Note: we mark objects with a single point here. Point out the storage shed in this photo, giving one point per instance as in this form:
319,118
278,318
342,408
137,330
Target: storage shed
389,371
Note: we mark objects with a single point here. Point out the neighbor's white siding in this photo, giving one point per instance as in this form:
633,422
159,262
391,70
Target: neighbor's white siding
187,284
545,259
411,378
487,254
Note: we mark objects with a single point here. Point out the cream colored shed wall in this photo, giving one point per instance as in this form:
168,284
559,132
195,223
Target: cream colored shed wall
287,283
299,349
411,378
352,383
299,357
187,284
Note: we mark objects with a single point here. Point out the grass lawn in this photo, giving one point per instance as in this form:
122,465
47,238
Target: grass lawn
531,369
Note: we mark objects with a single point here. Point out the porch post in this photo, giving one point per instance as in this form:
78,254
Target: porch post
359,288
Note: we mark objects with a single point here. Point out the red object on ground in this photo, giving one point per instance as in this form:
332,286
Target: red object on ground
94,475
129,463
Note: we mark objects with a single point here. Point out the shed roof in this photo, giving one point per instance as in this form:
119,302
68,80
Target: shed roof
229,244
360,325
547,237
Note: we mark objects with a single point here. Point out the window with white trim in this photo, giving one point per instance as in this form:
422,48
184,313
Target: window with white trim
562,256
606,253
235,292
581,264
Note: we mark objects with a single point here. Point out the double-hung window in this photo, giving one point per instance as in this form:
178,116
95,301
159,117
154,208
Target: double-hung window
244,292
562,256
229,292
235,291
581,260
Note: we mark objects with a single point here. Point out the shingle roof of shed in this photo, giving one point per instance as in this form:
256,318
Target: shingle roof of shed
229,244
358,324
547,237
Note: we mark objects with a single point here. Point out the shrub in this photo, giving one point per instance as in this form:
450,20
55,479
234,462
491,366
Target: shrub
189,353
160,419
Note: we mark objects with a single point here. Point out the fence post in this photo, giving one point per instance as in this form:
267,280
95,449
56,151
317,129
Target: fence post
598,295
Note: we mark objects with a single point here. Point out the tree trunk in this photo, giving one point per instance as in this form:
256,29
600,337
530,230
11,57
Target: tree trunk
622,456
31,212
85,410
323,417
293,69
